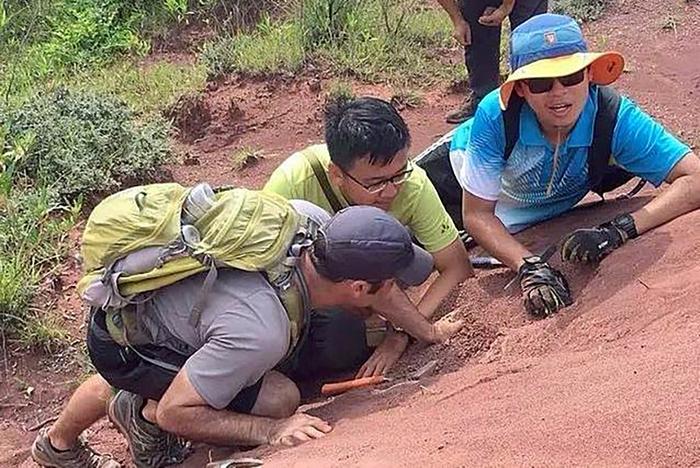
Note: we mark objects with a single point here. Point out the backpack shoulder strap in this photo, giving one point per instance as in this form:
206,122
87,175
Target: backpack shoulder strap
322,178
511,123
601,149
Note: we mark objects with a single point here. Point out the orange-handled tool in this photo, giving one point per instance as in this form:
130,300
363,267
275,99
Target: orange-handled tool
347,385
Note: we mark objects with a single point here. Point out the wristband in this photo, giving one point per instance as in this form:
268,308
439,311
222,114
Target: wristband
625,223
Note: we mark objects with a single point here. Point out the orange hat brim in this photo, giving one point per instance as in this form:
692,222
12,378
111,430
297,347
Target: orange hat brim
606,68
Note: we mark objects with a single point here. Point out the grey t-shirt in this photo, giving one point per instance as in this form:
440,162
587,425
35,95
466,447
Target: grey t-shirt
244,330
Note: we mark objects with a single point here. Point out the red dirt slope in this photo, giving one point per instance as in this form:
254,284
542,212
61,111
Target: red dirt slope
611,380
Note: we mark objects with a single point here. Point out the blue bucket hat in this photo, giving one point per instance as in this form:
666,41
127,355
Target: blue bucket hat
549,46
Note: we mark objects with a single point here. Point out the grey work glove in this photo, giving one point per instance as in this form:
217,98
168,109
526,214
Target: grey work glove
545,289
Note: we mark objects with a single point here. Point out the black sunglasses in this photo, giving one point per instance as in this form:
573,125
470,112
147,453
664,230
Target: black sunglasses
544,85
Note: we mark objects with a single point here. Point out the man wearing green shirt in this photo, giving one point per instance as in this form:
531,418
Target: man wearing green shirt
365,162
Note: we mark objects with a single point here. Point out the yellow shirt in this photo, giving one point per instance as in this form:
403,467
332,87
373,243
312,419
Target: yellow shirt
416,206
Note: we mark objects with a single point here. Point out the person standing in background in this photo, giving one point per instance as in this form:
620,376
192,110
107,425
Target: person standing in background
477,26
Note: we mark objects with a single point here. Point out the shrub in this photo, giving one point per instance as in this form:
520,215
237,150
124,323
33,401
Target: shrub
85,143
581,10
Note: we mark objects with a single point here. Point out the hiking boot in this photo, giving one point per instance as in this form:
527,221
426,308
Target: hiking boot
79,456
150,446
465,111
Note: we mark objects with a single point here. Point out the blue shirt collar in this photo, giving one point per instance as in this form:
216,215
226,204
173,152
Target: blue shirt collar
580,136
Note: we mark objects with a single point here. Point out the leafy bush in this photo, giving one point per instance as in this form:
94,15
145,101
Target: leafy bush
91,31
55,149
581,10
85,143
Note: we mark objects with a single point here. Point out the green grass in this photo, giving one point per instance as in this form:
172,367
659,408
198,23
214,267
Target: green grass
339,90
33,231
146,89
270,48
406,98
43,330
374,40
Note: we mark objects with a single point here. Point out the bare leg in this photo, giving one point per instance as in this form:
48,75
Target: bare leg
85,407
278,398
149,411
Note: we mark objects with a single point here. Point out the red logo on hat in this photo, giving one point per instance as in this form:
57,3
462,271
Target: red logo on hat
550,38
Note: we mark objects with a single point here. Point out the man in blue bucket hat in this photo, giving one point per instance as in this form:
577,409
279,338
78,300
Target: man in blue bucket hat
550,134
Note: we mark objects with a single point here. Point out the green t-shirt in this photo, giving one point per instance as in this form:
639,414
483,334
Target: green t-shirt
417,205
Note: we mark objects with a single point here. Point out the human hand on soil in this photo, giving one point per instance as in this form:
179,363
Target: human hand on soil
385,355
446,327
495,16
462,32
297,429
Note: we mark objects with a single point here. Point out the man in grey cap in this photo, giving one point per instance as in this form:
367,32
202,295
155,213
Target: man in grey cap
214,382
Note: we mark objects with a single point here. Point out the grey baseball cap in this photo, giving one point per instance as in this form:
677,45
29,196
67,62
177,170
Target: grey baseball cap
366,243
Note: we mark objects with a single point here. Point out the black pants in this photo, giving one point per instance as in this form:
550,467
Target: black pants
124,369
335,343
483,56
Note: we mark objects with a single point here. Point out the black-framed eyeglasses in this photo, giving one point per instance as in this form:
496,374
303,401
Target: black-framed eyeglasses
544,85
376,187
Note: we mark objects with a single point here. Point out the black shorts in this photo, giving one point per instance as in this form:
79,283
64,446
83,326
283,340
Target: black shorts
334,344
124,369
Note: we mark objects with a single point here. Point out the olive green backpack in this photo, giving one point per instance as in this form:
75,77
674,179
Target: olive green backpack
144,238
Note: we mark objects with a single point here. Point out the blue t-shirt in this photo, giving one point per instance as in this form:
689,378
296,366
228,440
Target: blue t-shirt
529,187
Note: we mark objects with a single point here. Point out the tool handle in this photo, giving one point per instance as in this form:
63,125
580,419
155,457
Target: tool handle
342,387
486,262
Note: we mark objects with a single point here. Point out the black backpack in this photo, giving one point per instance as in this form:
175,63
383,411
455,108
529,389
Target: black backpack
602,176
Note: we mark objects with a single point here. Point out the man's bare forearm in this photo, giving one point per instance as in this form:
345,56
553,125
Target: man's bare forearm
441,287
681,197
399,310
490,233
508,4
453,266
452,9
220,427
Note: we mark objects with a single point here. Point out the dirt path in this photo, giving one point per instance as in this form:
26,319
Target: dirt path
613,380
